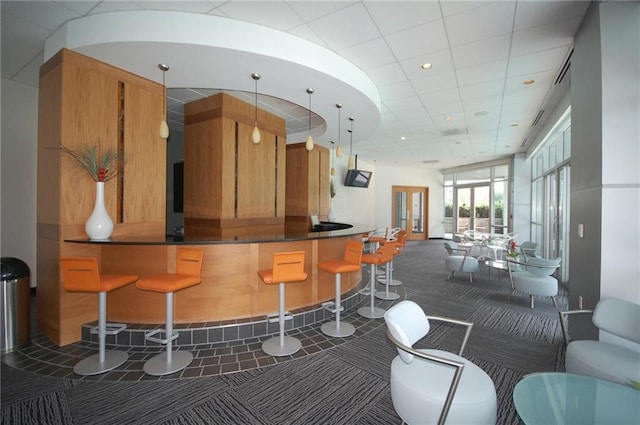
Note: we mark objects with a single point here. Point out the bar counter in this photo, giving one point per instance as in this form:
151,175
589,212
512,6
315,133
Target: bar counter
230,288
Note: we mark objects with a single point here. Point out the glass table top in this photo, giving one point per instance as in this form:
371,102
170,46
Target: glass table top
564,398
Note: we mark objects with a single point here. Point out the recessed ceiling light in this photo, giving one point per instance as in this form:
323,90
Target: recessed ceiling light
448,118
527,82
402,138
426,66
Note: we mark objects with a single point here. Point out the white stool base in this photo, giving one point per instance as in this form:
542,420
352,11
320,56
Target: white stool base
387,296
158,365
371,312
273,348
330,329
92,365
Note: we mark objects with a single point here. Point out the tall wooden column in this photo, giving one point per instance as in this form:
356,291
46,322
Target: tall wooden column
232,186
86,102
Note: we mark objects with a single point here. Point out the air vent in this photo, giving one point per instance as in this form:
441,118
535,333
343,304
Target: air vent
537,118
455,132
524,142
566,66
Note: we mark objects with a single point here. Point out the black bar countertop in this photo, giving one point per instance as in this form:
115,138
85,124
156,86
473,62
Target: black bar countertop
338,230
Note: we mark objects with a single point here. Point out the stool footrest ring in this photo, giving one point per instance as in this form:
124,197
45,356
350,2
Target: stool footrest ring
111,328
150,336
331,307
275,318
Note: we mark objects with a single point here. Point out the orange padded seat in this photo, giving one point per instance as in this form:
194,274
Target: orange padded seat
82,275
383,256
287,267
350,263
188,273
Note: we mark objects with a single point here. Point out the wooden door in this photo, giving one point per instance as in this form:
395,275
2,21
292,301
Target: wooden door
410,207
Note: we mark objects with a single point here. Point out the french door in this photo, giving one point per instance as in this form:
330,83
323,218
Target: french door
473,209
410,206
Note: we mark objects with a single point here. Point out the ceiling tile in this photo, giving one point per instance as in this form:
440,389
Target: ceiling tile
391,17
345,28
418,41
487,21
482,51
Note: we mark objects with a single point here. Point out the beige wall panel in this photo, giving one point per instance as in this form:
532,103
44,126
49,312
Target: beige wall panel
48,207
144,197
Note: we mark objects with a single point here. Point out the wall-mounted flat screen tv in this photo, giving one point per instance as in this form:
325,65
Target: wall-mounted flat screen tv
357,178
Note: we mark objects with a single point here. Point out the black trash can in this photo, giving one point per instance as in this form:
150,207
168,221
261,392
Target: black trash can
15,304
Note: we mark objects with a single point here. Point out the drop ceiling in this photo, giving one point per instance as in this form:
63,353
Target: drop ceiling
471,106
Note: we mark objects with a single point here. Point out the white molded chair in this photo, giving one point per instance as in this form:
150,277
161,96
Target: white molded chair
459,260
433,386
529,250
536,279
616,359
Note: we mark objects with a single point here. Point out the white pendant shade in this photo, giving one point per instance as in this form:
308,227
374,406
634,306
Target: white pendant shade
309,143
351,164
339,151
164,129
255,135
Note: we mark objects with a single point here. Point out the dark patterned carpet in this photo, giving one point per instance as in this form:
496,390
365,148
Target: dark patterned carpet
344,384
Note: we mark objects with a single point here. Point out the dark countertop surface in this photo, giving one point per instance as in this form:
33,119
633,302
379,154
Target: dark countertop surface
275,236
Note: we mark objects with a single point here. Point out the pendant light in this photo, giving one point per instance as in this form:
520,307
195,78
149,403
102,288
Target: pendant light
309,143
351,163
333,170
339,148
255,135
164,128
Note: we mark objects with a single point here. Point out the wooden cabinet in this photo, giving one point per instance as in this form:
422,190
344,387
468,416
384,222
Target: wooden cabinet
307,183
86,102
232,185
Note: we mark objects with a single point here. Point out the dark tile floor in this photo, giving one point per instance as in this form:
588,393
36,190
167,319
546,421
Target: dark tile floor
41,356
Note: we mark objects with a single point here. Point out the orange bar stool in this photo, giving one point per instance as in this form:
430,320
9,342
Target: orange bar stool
82,275
350,263
384,255
399,243
287,267
188,272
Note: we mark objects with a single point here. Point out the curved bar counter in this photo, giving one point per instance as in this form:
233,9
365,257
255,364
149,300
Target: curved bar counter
230,288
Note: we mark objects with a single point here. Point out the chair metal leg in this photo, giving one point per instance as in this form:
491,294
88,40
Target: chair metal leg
169,361
386,295
103,361
372,312
450,275
555,301
335,328
281,345
532,300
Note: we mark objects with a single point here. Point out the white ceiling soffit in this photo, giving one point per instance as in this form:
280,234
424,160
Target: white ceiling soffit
214,52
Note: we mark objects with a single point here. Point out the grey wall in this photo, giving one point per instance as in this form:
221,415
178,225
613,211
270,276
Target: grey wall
605,181
18,151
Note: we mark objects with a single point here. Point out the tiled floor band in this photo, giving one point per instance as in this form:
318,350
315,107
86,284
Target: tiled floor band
225,331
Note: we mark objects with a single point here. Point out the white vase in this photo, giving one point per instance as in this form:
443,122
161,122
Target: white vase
99,226
332,213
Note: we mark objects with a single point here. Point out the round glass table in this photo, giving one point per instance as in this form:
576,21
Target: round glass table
564,398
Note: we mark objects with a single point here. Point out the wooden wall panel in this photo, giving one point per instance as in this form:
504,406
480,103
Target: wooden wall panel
308,192
249,174
144,197
79,100
202,160
256,191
